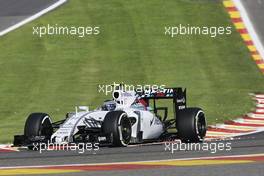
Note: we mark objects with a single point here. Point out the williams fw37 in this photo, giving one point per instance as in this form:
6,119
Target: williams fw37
130,117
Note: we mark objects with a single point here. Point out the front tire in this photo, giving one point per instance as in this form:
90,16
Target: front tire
117,125
191,125
38,124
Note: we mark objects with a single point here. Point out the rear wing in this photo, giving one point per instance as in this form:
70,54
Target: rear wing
178,95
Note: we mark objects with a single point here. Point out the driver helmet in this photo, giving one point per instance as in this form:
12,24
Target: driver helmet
109,105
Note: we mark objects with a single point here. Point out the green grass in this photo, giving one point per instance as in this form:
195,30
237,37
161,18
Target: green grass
54,73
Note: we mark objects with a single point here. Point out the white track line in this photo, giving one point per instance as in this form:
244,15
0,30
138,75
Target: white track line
249,26
259,110
245,121
236,134
259,96
260,122
253,115
260,105
31,18
234,127
215,133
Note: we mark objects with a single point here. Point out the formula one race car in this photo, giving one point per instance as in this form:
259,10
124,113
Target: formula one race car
126,119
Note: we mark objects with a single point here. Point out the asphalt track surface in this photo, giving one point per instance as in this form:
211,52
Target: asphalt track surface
250,144
14,11
255,12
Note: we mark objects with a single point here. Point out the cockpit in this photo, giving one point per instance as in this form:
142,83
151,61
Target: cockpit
109,105
124,99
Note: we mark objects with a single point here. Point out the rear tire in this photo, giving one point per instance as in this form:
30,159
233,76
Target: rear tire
117,124
38,124
191,125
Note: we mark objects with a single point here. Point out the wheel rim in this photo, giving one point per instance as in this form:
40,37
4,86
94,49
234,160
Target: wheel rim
125,129
46,127
201,125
